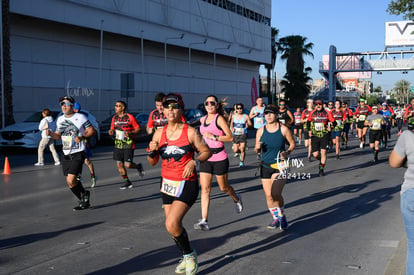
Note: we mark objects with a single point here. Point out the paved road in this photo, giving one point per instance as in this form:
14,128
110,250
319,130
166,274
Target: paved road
347,222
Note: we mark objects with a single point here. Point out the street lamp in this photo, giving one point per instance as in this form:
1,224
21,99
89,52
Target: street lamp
189,59
165,58
237,70
214,54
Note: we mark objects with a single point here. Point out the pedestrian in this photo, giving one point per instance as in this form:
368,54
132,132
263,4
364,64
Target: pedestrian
46,141
177,144
403,156
306,126
156,117
256,113
319,133
125,126
270,144
239,124
215,132
88,153
73,128
374,122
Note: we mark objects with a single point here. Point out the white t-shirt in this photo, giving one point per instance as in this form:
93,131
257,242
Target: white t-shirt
69,128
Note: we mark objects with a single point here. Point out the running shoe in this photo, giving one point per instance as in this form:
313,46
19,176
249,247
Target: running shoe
191,265
274,224
180,268
399,133
57,163
236,155
239,204
321,172
283,223
337,157
126,185
93,182
202,224
84,202
241,164
140,170
361,145
39,164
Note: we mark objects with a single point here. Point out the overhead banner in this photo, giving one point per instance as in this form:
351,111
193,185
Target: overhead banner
399,33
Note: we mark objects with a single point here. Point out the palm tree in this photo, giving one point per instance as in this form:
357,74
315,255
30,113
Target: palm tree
293,48
269,67
403,90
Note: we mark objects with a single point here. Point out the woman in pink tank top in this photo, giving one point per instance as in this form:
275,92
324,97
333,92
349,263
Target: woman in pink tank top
215,132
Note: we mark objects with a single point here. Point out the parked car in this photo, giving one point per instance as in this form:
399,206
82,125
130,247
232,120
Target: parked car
93,140
24,134
192,117
142,119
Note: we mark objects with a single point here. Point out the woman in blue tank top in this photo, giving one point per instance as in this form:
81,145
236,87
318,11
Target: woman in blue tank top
270,144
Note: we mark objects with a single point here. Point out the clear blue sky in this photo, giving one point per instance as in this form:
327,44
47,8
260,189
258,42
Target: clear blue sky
351,26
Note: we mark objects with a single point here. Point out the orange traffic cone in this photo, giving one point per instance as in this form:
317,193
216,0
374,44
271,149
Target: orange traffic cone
6,170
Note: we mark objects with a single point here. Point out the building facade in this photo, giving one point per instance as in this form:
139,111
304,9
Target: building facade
100,51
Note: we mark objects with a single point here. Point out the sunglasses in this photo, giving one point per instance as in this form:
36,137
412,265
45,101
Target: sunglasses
65,103
173,106
282,104
210,103
318,104
269,112
239,108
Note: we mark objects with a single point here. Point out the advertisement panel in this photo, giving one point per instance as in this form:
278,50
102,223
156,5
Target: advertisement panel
399,33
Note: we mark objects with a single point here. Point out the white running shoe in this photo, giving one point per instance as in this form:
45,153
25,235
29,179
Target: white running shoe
202,224
39,164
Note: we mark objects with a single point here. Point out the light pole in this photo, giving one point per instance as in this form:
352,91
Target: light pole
189,60
237,71
214,63
142,67
165,58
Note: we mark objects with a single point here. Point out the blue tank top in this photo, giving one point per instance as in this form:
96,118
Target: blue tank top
259,120
239,125
272,145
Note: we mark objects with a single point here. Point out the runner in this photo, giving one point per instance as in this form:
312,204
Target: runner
73,128
285,116
256,113
306,126
386,128
297,131
124,126
240,123
348,123
361,113
319,132
270,144
156,117
215,132
375,122
338,125
176,144
399,113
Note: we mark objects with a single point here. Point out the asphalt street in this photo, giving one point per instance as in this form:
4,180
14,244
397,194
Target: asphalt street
347,222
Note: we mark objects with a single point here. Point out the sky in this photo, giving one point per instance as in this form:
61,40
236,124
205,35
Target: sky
351,26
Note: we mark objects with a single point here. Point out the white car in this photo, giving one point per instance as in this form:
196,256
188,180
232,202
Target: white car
24,134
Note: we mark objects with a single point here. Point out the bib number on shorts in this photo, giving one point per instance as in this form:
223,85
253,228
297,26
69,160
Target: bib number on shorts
172,187
238,131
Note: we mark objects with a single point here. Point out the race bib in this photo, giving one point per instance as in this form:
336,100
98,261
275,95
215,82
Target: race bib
319,126
172,187
259,120
282,121
362,117
238,131
298,121
283,165
376,124
67,142
119,135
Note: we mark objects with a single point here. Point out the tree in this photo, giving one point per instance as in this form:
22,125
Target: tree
293,48
402,88
8,99
271,66
405,7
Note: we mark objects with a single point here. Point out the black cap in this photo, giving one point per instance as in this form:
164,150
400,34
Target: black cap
271,109
174,97
68,98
